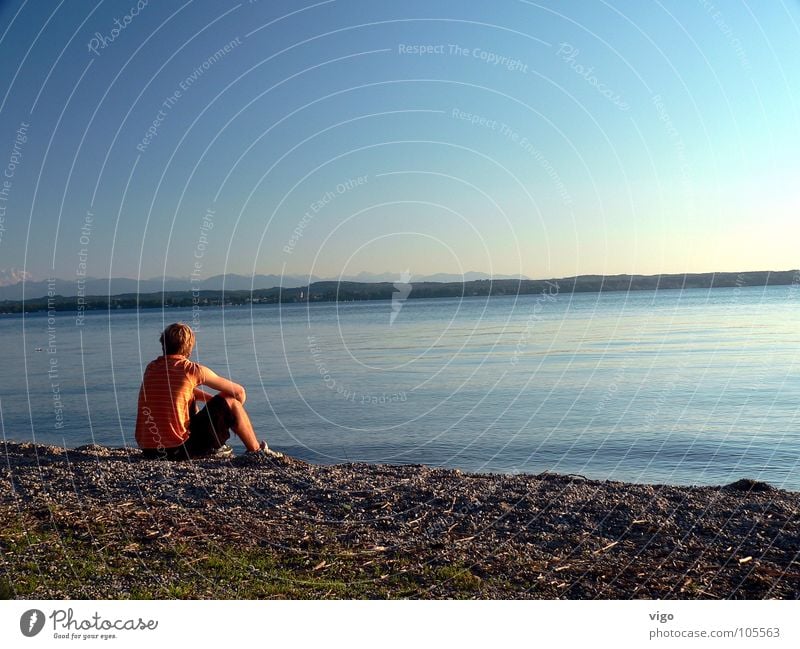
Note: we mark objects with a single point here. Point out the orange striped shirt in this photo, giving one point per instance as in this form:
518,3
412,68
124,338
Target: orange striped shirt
167,390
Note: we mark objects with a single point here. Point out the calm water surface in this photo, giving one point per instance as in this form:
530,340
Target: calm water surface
686,387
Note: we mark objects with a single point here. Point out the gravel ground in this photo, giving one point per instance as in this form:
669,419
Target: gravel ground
390,531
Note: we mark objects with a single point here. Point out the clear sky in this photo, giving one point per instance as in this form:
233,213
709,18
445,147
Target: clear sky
542,138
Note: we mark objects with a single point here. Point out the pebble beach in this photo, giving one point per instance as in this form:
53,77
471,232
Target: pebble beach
104,523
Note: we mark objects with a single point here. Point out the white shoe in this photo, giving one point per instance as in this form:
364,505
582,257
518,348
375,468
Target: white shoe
263,449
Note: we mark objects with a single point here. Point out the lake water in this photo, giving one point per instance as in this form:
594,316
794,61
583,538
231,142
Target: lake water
683,387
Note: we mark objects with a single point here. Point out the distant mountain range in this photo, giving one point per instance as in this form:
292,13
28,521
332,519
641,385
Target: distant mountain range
228,282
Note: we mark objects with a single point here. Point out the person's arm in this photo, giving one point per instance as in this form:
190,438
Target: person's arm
224,386
202,395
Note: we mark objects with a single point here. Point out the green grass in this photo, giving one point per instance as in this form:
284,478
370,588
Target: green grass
6,590
461,577
37,560
84,560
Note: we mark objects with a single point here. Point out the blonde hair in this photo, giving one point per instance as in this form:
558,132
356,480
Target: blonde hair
178,338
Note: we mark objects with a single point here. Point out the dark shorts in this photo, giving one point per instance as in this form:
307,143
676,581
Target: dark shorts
209,429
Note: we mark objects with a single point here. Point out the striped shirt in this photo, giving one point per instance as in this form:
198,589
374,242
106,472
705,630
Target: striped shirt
168,385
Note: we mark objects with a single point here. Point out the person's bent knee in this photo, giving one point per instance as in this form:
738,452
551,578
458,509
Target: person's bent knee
233,404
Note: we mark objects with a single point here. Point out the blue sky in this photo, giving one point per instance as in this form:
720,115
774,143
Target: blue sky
541,138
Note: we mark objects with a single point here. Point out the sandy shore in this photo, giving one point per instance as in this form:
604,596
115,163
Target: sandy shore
95,522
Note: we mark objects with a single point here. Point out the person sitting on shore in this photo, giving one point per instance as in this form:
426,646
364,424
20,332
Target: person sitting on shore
168,422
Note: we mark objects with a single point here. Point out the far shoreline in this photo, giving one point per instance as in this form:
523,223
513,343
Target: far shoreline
347,291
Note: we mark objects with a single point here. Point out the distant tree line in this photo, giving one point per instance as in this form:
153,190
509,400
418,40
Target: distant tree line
331,291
